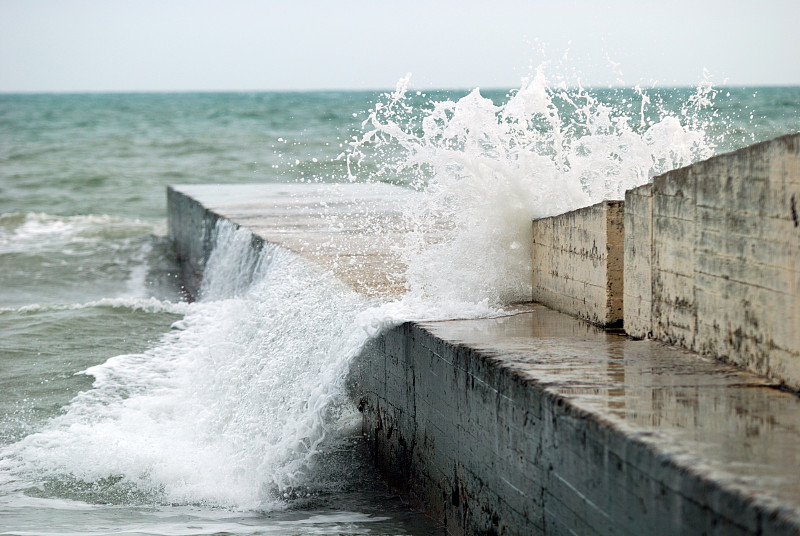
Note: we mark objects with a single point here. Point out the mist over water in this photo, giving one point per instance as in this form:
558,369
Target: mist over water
123,405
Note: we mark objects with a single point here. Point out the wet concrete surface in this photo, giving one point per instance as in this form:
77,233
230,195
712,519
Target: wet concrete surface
540,423
735,427
351,229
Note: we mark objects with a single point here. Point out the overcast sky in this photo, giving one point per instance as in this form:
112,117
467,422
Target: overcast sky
143,45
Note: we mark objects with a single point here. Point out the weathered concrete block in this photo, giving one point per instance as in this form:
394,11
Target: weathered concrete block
578,262
191,228
558,434
725,249
674,222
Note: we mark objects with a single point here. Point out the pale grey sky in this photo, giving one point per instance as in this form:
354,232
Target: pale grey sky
114,45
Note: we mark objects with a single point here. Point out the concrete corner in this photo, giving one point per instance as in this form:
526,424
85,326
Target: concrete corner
578,262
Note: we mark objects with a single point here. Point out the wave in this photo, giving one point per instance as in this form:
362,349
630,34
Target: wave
227,409
487,169
147,305
19,232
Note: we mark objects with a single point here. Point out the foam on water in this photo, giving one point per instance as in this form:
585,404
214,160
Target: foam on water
149,305
234,405
48,259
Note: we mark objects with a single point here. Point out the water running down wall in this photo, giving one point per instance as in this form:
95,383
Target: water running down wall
79,287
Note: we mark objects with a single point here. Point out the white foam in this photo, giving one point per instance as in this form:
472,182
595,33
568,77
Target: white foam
148,305
34,231
486,170
229,407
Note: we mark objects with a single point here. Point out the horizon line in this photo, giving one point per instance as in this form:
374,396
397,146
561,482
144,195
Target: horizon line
363,90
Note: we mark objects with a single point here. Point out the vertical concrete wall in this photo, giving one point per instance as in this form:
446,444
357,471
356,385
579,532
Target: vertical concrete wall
673,262
540,424
453,434
725,258
577,262
191,227
604,437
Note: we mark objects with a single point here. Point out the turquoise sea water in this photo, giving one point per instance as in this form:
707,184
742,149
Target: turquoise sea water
88,281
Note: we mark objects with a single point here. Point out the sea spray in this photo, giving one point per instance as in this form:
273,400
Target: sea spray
230,408
487,169
62,293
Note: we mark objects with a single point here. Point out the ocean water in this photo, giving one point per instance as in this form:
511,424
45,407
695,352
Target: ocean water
125,409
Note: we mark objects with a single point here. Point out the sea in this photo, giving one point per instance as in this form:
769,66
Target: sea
129,407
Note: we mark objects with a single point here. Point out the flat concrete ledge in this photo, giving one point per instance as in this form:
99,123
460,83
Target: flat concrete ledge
539,423
350,229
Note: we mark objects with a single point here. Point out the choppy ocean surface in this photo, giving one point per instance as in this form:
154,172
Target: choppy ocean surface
124,409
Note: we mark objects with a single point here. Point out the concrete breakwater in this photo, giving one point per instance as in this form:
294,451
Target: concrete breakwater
710,256
538,422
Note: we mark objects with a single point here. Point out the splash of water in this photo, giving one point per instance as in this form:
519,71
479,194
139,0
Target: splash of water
487,169
232,405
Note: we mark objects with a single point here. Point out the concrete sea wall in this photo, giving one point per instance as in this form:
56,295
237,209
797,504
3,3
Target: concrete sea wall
637,257
718,245
191,227
541,423
709,259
